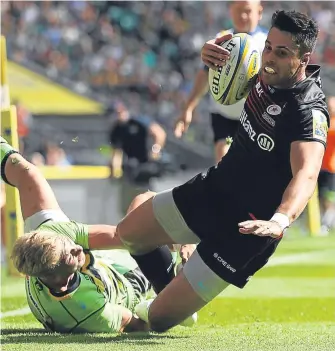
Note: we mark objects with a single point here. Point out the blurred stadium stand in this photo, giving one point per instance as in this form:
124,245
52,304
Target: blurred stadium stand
145,53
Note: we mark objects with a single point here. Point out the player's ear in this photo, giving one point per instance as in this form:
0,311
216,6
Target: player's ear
305,59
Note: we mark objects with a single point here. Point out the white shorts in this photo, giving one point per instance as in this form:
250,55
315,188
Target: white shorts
169,217
38,218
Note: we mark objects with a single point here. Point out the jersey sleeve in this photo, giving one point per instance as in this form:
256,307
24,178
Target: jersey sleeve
311,125
75,231
108,319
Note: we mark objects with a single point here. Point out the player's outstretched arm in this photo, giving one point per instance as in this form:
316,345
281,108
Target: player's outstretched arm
306,160
131,323
104,237
35,192
112,318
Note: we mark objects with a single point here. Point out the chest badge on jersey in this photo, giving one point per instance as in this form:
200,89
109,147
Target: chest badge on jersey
265,142
274,110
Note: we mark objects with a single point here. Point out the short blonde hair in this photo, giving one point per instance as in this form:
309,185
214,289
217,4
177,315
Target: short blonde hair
38,253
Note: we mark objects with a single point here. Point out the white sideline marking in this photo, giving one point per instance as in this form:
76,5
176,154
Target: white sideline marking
294,258
20,312
275,261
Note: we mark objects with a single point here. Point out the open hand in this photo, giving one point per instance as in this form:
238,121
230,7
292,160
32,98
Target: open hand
213,54
261,228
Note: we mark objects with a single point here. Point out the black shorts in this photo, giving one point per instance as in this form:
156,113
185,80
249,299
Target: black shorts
233,256
223,127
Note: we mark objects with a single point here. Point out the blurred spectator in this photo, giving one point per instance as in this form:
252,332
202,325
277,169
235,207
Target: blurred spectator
137,146
97,45
37,159
55,156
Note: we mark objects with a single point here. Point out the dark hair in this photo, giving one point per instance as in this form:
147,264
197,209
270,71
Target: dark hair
304,29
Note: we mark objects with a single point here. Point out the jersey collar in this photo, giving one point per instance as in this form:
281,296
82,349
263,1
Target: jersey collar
313,76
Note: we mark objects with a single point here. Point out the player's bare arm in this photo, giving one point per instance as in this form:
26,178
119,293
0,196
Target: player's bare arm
306,160
131,323
35,192
103,237
200,86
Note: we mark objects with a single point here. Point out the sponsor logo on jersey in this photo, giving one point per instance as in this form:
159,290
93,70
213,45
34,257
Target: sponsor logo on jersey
247,125
320,125
270,120
265,142
274,110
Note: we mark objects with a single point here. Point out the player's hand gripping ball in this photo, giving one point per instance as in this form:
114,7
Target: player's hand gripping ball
230,83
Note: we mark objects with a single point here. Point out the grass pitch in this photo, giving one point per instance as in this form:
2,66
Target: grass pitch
289,305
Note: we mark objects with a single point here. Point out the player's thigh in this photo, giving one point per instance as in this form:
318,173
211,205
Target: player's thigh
193,288
157,221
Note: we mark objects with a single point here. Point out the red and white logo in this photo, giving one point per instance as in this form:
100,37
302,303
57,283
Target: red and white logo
273,110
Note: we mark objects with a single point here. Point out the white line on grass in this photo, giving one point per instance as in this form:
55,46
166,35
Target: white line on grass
295,258
20,312
275,261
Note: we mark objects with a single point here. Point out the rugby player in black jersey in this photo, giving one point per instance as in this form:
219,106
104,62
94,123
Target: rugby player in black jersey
238,210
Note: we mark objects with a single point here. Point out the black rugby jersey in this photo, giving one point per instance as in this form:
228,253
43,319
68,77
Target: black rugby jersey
256,171
132,137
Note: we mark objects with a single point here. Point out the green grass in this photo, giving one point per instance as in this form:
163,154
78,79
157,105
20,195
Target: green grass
286,306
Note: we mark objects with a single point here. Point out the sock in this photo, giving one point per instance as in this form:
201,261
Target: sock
157,266
6,151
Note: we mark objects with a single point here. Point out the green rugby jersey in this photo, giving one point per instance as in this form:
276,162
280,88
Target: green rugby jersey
92,303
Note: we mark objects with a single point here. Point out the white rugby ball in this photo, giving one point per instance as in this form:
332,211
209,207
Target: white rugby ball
229,83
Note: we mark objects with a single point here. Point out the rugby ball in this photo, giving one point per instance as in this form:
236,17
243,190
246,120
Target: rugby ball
229,83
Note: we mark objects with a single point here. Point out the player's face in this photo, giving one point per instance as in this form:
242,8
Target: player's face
281,60
72,259
245,15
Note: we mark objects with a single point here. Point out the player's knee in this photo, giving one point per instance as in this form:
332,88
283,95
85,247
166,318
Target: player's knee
140,199
126,237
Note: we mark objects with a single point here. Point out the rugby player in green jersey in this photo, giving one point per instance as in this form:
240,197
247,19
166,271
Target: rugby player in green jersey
70,288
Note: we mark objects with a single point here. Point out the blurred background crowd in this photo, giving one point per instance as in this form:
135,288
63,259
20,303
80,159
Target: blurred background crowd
143,53
150,46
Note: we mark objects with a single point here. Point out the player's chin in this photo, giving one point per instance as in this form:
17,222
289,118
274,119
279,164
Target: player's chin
269,78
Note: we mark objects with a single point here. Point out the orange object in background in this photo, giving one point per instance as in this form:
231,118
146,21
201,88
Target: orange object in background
328,163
